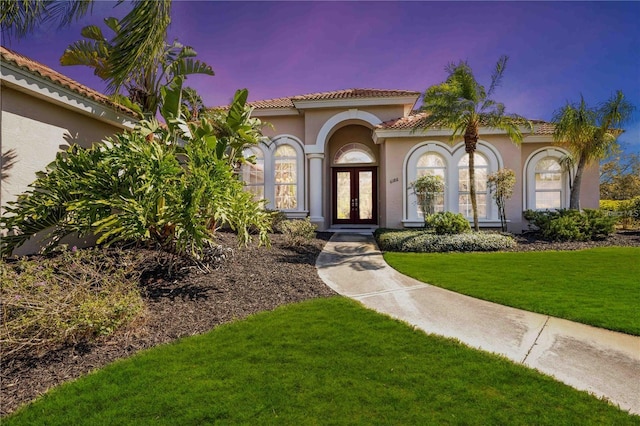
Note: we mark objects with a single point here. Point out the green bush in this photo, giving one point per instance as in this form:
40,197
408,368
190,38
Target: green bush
572,225
142,187
65,299
277,219
298,232
422,241
626,212
447,223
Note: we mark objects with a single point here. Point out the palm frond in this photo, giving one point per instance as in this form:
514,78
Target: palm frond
142,38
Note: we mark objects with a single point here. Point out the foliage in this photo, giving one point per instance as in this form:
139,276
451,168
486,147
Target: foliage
590,133
298,232
447,223
571,225
139,43
427,188
548,282
145,80
142,187
620,177
421,241
72,297
278,217
501,185
626,212
464,105
325,361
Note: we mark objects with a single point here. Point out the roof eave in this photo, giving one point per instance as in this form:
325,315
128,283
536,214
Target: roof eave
355,102
25,81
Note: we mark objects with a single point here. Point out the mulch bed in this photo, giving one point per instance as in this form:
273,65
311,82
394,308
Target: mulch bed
251,280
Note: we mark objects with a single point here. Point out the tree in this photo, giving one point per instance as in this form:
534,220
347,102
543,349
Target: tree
501,184
427,188
464,105
590,134
140,41
144,82
620,177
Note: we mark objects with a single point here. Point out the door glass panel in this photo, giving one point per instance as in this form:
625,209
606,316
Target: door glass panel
343,199
365,197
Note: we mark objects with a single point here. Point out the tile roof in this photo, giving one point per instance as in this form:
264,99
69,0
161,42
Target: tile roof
416,118
288,102
8,55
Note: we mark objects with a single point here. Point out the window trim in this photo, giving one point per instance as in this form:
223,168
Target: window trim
451,157
529,177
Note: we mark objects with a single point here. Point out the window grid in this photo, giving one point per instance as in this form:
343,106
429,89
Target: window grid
481,168
434,165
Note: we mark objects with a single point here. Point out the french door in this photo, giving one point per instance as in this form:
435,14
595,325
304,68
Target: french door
355,195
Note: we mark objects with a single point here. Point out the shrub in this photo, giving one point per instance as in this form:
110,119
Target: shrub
142,187
571,225
421,241
626,212
447,223
277,219
298,232
72,297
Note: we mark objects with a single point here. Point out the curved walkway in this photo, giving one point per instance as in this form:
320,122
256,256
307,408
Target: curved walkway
602,362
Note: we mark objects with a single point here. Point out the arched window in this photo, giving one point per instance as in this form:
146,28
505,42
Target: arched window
548,184
286,178
354,153
545,182
434,165
252,172
481,167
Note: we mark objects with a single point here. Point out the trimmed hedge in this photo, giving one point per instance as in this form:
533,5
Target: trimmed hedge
447,223
572,225
421,241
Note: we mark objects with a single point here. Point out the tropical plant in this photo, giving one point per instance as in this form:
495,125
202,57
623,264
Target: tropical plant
501,185
590,134
145,80
140,41
464,105
427,189
142,187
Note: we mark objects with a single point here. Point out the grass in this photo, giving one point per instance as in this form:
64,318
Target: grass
326,361
597,286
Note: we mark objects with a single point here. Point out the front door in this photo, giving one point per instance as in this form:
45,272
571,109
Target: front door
354,195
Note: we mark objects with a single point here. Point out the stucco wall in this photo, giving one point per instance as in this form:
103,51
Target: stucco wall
33,131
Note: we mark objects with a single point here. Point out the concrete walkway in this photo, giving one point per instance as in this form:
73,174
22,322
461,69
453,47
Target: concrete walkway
604,363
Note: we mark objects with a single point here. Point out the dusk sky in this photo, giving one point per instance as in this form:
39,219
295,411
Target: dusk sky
557,50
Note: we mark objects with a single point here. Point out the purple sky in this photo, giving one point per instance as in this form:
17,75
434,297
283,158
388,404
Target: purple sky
557,50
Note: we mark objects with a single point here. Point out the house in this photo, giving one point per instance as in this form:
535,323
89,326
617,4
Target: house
347,159
42,113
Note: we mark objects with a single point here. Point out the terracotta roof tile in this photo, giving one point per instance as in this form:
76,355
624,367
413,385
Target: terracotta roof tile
288,102
44,71
416,118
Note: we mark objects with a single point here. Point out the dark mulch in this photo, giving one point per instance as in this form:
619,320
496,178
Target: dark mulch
531,242
252,280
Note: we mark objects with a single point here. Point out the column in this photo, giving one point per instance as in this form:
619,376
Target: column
315,189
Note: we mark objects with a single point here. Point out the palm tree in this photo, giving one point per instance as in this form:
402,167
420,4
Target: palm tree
143,85
590,134
463,105
140,41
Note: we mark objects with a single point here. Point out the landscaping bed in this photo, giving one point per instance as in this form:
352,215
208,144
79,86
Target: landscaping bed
251,280
186,303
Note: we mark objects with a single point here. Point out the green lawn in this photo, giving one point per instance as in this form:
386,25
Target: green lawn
326,361
600,287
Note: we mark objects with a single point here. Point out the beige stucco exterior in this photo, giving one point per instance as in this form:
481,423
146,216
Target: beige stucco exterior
40,118
323,127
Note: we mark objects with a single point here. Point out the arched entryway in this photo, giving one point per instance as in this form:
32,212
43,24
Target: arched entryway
353,176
